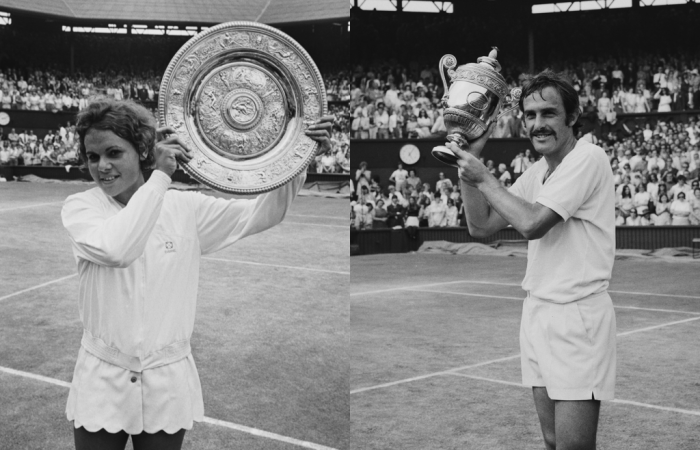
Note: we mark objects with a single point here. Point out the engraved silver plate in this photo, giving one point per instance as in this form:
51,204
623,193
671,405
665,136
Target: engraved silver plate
240,95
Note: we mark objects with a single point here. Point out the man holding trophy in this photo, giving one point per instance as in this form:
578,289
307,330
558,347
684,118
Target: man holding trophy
564,205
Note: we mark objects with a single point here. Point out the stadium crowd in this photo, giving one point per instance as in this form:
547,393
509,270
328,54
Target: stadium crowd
656,170
390,100
54,90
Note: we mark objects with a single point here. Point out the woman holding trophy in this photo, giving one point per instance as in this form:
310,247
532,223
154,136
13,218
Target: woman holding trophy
138,246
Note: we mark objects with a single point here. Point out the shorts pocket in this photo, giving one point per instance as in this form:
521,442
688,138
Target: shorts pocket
584,321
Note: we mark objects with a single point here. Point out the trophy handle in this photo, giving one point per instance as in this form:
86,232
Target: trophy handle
512,101
448,62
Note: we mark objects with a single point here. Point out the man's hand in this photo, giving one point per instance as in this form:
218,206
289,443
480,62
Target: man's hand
321,133
471,170
170,150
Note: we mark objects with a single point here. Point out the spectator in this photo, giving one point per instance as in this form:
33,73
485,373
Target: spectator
399,177
362,176
452,215
695,207
379,220
412,213
437,213
662,214
395,213
680,210
443,183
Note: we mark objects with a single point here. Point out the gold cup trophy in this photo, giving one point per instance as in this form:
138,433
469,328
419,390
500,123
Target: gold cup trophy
241,95
477,97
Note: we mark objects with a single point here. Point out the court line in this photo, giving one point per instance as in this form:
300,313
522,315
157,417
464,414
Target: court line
403,288
519,285
38,286
623,402
221,423
448,371
626,333
317,217
31,206
521,299
434,374
317,224
34,376
266,434
274,265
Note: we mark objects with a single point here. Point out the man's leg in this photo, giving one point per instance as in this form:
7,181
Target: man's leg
576,424
545,411
567,424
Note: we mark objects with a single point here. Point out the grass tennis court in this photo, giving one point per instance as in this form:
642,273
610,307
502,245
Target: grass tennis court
269,339
435,355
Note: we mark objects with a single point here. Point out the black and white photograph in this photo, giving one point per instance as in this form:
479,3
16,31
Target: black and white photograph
174,181
525,225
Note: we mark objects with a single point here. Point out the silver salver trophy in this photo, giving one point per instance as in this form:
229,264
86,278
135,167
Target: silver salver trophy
241,95
477,97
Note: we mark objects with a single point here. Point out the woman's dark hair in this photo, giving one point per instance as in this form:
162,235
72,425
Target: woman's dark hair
561,84
626,190
128,120
663,196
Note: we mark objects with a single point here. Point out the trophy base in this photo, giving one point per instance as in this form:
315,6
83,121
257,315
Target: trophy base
445,155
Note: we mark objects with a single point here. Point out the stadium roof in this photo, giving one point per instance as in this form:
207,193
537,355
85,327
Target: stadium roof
200,12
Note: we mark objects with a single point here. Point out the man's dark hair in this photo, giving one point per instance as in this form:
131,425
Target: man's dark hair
125,118
562,84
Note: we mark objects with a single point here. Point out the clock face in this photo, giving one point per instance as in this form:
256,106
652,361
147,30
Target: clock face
4,118
409,154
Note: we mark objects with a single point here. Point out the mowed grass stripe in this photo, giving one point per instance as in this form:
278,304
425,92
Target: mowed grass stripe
276,265
347,227
31,206
507,358
38,286
620,401
521,299
209,420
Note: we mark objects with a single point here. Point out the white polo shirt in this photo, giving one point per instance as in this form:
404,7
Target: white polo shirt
575,258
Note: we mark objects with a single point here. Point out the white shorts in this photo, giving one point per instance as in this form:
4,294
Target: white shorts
570,348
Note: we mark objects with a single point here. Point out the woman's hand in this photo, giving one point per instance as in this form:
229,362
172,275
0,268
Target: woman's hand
170,150
320,132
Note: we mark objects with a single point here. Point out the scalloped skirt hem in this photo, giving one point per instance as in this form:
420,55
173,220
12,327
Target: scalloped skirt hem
93,428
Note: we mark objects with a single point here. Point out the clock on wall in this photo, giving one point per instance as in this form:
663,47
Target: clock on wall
4,119
409,154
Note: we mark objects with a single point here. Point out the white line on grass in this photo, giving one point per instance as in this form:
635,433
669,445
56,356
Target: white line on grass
35,377
316,224
266,434
521,299
623,402
434,374
275,265
651,294
467,294
656,295
317,217
37,287
626,333
455,369
31,206
221,423
403,288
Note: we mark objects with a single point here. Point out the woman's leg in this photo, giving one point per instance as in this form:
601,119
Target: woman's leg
158,441
99,440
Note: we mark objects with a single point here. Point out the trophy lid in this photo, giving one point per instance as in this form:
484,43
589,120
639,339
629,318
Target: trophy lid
490,61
